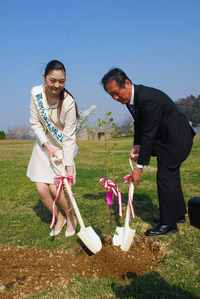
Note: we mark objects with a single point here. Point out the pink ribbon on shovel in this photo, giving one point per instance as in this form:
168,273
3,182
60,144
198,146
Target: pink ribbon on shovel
59,181
126,180
111,186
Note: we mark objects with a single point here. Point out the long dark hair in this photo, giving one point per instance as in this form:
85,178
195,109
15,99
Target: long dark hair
57,65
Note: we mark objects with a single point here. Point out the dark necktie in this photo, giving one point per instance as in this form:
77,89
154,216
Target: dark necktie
131,108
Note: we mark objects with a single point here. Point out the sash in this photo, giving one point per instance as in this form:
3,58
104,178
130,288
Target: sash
40,100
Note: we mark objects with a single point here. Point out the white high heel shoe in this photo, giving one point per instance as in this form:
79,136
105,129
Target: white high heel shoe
69,234
54,233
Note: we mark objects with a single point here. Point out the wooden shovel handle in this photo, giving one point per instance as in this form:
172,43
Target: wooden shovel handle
59,159
130,161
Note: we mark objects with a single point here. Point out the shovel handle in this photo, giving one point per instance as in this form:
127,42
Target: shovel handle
69,191
53,160
130,161
131,190
128,211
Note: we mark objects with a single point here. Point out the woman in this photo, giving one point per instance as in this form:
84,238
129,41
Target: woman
53,120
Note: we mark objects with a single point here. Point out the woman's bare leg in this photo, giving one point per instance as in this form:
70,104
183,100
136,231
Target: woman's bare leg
44,191
66,205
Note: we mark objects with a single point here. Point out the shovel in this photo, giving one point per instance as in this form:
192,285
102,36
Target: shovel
123,236
86,234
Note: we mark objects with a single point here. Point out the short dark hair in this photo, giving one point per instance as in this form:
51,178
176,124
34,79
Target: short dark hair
115,74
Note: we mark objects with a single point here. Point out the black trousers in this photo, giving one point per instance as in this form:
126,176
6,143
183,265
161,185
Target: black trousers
170,195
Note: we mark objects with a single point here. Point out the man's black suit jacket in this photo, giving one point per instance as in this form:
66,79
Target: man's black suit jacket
160,128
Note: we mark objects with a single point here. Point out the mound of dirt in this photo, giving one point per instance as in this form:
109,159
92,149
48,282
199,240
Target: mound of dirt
28,270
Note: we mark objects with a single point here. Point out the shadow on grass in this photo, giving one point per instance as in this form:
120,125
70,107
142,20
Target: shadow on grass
143,206
102,195
42,212
150,286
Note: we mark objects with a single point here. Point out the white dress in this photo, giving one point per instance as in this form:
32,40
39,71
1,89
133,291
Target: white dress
40,169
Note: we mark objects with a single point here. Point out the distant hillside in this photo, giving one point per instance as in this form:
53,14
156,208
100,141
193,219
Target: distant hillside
190,106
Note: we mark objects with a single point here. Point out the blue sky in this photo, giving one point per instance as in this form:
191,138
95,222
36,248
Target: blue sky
156,42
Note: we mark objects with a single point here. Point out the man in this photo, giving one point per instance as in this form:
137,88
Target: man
162,131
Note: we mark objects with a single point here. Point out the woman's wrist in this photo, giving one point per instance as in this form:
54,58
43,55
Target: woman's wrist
46,145
69,170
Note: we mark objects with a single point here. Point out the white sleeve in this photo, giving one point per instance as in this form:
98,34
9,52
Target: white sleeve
36,124
69,131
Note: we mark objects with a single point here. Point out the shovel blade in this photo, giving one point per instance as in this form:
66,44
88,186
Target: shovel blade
90,239
118,236
123,237
128,238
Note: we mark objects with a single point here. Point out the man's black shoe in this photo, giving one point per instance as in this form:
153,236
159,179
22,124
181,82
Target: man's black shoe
181,219
161,229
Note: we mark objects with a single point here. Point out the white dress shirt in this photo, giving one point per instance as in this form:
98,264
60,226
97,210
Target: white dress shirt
131,102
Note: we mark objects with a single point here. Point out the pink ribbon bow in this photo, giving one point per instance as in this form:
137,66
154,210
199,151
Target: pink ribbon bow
59,181
126,180
111,186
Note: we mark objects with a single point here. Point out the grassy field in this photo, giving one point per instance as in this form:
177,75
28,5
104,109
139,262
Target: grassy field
25,222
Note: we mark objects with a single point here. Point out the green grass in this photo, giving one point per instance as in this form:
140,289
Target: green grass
24,221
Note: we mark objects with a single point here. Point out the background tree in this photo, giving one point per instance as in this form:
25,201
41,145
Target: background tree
190,106
22,132
25,132
128,124
126,127
2,135
82,121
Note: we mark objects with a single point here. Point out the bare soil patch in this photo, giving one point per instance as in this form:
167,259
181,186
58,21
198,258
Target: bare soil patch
25,271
